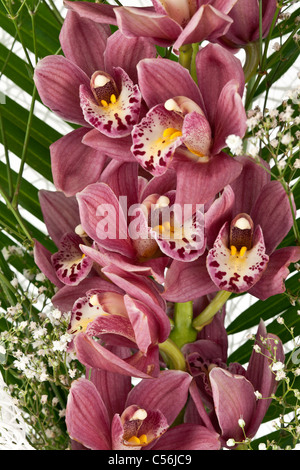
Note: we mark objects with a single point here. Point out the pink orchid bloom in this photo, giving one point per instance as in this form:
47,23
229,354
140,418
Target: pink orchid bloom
244,226
187,125
228,392
138,227
94,85
245,26
130,313
133,419
168,22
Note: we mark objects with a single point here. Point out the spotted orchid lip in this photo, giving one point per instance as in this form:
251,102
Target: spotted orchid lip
156,138
112,111
182,241
233,270
70,263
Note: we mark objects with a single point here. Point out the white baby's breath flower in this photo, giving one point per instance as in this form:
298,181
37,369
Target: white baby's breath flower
262,446
230,442
235,144
297,164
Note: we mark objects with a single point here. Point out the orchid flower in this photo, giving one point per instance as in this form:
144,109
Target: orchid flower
229,392
168,22
93,85
186,126
130,313
245,26
138,228
137,419
244,226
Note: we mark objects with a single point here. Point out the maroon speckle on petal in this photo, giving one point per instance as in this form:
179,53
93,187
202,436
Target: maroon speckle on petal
220,274
214,264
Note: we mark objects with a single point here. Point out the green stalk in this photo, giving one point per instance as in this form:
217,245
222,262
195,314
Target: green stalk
16,214
183,331
173,353
252,51
210,311
185,55
24,150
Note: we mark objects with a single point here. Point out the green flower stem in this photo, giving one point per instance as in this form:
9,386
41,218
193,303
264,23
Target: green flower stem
173,353
183,331
185,55
251,64
24,151
16,214
193,70
209,312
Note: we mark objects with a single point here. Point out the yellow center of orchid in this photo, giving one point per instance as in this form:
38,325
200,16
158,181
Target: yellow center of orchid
113,100
235,252
138,441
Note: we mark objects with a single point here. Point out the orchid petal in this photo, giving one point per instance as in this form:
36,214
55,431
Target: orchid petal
75,165
65,298
152,147
160,80
188,281
60,213
188,437
234,399
218,213
207,23
273,279
90,429
83,42
219,170
196,134
117,149
158,28
144,290
236,272
95,12
143,323
261,376
272,211
250,182
92,354
103,220
58,81
42,258
70,264
215,67
156,394
126,53
230,118
113,388
116,118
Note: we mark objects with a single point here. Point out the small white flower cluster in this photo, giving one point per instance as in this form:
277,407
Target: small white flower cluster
37,350
235,144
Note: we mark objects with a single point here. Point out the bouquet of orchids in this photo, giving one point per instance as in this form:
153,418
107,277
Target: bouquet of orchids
169,195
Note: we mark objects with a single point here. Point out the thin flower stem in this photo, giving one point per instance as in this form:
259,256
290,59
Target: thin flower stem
16,214
7,159
173,353
24,150
210,311
13,18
